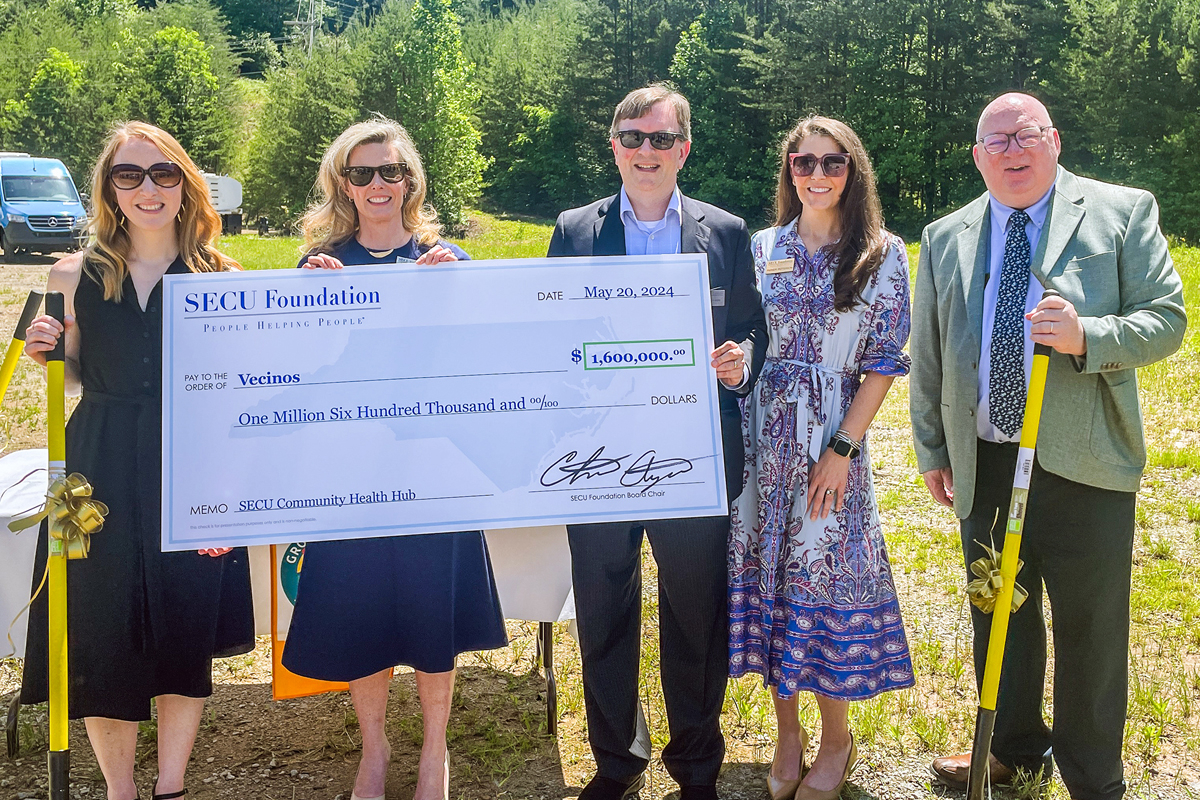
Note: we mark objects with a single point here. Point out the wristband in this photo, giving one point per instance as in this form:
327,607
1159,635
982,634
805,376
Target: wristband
843,445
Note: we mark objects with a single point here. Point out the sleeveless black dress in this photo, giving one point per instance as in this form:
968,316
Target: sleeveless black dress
141,622
365,605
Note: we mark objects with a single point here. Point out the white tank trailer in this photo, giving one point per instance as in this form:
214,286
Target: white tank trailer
226,195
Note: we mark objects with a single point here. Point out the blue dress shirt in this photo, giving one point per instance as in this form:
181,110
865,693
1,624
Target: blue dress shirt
660,237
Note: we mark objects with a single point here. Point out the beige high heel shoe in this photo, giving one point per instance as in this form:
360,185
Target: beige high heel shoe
445,777
353,796
779,789
804,792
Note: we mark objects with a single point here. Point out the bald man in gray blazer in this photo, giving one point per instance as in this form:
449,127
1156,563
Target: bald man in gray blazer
977,312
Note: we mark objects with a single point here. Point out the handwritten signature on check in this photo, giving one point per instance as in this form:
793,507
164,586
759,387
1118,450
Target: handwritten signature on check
645,469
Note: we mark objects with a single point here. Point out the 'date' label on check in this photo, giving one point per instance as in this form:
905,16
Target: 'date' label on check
308,405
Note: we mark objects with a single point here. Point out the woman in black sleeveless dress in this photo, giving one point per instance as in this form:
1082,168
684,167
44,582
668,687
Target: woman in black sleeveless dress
364,606
142,624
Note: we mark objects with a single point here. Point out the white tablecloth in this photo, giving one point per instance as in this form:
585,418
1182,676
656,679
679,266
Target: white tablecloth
532,565
22,490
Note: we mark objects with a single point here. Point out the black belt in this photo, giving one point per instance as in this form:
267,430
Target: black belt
105,398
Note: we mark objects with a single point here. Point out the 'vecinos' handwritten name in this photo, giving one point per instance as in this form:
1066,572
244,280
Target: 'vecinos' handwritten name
268,379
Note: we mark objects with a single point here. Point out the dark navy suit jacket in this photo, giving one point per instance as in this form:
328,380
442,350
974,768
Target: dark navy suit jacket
597,230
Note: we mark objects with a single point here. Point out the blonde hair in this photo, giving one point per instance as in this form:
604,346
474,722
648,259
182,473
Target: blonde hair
333,219
106,257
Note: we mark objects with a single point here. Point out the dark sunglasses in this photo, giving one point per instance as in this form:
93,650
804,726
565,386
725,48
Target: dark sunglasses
834,165
130,176
361,176
659,140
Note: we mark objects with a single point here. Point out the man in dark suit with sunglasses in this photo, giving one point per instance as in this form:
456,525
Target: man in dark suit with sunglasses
651,138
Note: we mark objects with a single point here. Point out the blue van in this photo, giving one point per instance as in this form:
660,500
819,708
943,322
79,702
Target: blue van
40,209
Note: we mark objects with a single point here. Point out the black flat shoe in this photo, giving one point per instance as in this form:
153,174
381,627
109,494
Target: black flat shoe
168,796
698,793
601,788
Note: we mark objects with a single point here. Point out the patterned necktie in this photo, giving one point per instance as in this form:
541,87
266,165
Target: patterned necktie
1006,382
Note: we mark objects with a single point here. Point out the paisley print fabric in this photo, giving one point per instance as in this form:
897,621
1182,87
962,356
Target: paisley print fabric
812,604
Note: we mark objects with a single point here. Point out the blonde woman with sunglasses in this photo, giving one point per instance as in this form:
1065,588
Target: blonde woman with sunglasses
144,625
812,603
364,606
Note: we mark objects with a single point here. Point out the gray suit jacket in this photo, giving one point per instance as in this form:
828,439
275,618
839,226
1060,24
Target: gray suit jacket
1101,248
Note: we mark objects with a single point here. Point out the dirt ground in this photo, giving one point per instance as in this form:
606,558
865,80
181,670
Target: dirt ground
252,747
306,749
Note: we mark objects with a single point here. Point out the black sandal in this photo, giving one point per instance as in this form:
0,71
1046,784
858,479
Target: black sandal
12,734
170,796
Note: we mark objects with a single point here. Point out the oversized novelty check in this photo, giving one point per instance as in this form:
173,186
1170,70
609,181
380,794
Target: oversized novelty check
304,405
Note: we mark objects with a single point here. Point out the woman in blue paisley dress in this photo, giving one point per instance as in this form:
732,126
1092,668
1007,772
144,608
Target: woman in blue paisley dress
812,602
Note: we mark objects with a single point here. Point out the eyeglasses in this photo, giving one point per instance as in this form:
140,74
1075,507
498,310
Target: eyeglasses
659,140
833,165
131,176
361,176
997,143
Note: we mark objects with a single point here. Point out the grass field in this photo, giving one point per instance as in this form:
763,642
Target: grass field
487,237
250,747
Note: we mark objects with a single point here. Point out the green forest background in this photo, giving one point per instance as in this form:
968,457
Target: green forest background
509,100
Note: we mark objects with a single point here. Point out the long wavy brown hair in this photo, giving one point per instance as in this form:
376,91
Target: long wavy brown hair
862,245
333,219
106,258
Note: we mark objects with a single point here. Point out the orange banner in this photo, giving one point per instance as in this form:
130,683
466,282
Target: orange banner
286,564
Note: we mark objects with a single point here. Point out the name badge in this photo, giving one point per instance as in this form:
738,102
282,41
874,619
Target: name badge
778,265
718,297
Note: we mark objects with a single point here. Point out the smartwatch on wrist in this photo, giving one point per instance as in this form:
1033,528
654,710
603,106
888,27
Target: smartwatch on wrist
843,445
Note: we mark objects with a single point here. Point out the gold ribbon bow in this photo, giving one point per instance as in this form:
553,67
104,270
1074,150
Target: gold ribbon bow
73,515
985,589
